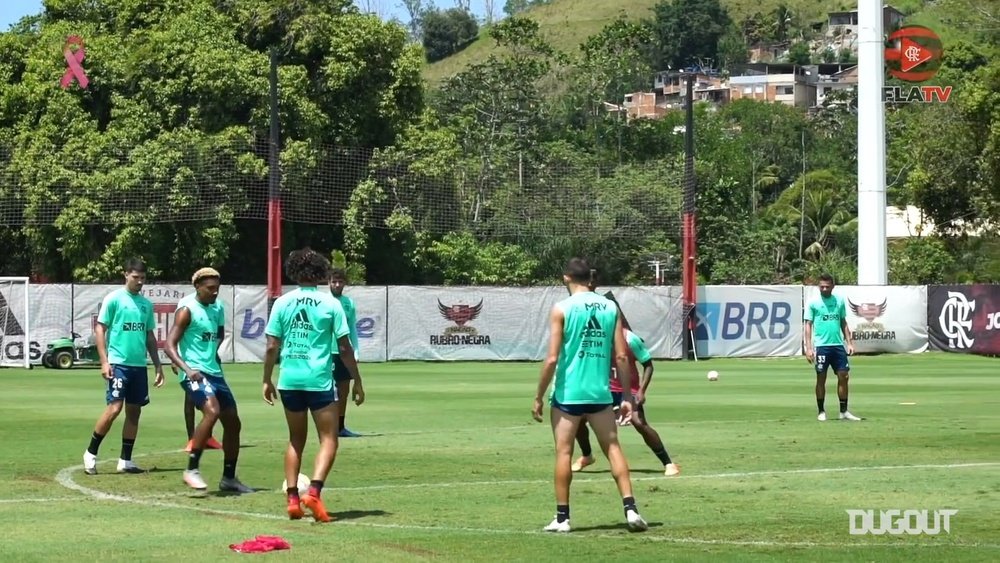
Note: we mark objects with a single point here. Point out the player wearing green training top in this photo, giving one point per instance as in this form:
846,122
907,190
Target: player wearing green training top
124,335
193,347
585,335
828,343
341,375
303,326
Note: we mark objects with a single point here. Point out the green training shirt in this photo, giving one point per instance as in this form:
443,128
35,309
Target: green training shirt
307,321
199,345
826,314
127,317
351,312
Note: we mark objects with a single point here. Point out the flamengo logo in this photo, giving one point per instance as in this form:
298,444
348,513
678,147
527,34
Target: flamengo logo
955,320
899,522
460,334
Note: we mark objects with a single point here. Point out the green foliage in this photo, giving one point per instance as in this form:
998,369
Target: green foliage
446,32
919,261
688,32
799,53
461,259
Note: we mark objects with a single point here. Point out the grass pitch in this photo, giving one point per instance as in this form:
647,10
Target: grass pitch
452,468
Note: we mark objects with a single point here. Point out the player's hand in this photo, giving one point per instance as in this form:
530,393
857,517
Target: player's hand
106,371
639,398
624,413
359,394
850,349
158,380
536,410
269,393
173,368
195,375
810,356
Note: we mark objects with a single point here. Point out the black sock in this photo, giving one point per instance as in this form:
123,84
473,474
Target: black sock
194,458
293,492
629,504
315,488
585,449
229,469
663,456
95,443
819,404
562,512
127,446
843,405
342,422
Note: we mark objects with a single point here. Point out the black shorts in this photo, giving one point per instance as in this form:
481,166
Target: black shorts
298,401
831,357
579,409
340,371
617,398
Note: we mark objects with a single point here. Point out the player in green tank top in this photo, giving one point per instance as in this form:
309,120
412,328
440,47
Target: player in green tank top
585,336
193,348
304,326
124,335
827,342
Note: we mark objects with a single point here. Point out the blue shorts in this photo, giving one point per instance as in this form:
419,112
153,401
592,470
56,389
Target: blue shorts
298,401
129,384
579,409
340,371
210,386
831,357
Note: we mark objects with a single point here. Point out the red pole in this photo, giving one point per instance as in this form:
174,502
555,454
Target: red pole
689,245
274,193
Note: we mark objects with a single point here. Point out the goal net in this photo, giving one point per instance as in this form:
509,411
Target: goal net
15,322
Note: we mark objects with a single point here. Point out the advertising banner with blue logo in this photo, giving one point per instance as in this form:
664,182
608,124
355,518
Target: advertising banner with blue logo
742,321
882,319
250,319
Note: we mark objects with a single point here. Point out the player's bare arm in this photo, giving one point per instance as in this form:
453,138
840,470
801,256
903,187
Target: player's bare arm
807,341
624,373
270,359
556,321
101,340
221,337
848,336
346,351
154,355
647,378
182,320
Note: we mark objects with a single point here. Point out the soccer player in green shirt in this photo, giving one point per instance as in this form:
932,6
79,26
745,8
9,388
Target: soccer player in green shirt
341,375
303,326
828,343
585,337
193,348
124,334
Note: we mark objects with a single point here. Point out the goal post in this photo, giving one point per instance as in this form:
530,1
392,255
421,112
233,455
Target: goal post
15,322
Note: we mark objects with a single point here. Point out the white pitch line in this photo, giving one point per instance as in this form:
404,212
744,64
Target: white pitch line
39,500
738,475
65,478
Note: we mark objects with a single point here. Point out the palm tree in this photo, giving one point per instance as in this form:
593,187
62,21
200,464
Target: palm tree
825,221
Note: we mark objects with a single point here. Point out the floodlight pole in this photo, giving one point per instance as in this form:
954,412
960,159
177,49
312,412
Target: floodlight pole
872,246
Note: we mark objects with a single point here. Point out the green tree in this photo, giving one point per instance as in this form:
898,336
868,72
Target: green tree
446,32
687,32
919,261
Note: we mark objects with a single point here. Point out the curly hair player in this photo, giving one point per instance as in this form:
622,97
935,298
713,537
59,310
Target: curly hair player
303,326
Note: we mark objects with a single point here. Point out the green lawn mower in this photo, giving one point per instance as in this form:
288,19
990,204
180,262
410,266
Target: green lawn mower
64,353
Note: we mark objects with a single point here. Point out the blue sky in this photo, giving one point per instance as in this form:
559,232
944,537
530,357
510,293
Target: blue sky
13,10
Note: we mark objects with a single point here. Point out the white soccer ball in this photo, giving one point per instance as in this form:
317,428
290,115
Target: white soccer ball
304,482
713,375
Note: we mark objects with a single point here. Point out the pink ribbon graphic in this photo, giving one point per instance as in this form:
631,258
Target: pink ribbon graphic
73,59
